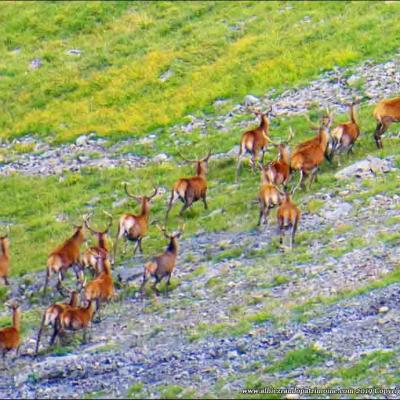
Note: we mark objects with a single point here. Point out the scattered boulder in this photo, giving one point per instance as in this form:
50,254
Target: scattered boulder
82,140
35,64
368,167
166,75
251,100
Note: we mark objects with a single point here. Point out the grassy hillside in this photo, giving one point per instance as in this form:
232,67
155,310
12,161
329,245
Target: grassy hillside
213,49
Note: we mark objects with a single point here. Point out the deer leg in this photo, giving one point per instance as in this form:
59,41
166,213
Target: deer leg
154,288
262,210
140,245
6,281
53,336
46,282
59,283
281,233
205,201
294,228
172,200
266,214
145,279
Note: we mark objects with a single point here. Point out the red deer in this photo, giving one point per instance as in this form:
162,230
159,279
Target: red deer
102,248
52,314
161,267
190,190
288,215
345,135
269,196
307,159
386,112
5,257
100,289
10,337
134,227
254,141
74,319
64,257
279,170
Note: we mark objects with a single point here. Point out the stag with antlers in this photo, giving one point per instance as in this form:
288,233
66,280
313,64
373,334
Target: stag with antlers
134,227
101,250
190,190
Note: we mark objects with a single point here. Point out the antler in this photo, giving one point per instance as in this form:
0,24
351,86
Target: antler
290,135
163,230
7,232
137,198
313,125
269,111
155,192
110,223
208,156
86,222
186,159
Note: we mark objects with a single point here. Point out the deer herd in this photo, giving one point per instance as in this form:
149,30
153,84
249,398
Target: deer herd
306,158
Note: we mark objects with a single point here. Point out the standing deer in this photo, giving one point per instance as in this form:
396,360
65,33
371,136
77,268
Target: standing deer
5,257
64,257
345,135
386,112
162,266
190,190
255,141
288,215
134,227
10,338
102,248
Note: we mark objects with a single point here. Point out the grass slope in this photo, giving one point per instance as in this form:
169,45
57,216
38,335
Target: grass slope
215,50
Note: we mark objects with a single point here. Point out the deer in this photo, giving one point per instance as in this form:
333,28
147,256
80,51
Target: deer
269,195
345,135
190,190
74,319
162,266
134,227
52,314
5,257
100,289
255,140
10,338
279,170
288,215
307,158
386,112
101,250
66,256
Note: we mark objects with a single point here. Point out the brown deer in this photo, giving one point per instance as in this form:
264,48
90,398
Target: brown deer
307,159
10,338
52,314
101,250
386,112
279,170
162,266
74,319
288,215
255,141
64,257
269,195
134,227
100,289
345,135
190,190
5,257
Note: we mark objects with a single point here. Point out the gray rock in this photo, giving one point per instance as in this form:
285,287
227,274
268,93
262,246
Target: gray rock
161,157
364,168
337,211
35,64
82,140
74,52
251,100
166,75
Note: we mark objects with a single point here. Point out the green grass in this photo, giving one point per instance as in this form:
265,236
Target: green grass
294,359
216,50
